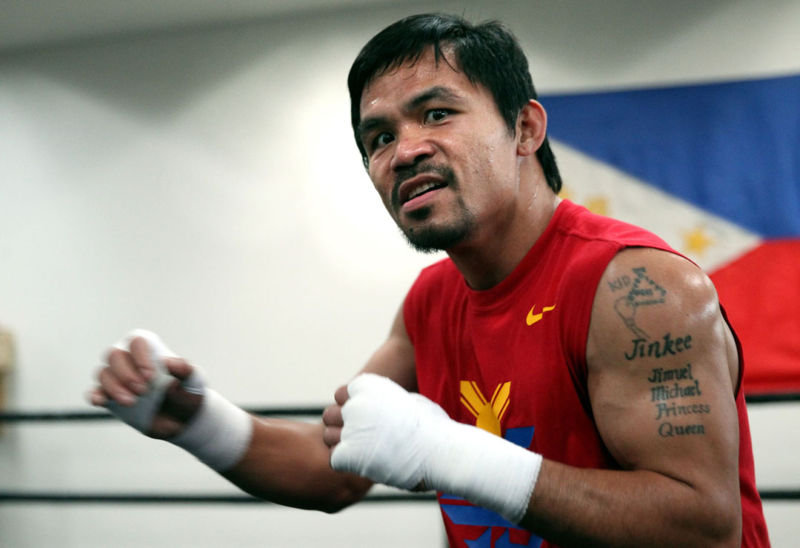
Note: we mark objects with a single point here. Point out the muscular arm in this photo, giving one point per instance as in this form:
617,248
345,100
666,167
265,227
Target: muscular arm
661,374
287,461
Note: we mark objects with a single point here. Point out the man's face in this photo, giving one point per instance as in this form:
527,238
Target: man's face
440,155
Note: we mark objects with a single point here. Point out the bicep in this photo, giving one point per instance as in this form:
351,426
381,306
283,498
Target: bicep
394,358
661,381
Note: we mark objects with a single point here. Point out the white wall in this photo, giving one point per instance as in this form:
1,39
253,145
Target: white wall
204,184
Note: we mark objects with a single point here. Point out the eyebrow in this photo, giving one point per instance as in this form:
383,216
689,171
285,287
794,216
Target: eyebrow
443,93
436,92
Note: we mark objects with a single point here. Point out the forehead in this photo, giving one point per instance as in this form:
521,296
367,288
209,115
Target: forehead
396,85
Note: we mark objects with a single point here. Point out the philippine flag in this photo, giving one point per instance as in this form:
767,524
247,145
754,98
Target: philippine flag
714,169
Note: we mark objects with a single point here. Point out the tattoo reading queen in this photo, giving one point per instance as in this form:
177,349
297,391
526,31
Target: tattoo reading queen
669,385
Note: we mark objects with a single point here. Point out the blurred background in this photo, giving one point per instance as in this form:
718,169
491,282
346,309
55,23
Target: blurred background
188,167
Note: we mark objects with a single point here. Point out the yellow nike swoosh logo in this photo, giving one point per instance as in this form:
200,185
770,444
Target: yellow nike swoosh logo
533,318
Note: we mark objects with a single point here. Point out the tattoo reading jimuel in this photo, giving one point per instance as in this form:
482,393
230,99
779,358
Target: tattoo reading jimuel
644,292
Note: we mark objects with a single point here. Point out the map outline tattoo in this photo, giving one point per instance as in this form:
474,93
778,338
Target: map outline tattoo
644,292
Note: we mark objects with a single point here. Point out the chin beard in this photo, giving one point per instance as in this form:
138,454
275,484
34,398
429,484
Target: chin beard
429,239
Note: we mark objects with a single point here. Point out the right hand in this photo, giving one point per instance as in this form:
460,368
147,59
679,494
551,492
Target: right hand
385,433
140,372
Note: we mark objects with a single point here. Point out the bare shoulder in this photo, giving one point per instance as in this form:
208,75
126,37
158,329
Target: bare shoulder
640,285
655,303
662,368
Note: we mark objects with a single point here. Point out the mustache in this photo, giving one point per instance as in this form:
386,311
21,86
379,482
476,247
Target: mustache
407,173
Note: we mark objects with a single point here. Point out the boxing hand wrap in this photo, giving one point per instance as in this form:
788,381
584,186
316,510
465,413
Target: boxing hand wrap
140,415
402,439
219,432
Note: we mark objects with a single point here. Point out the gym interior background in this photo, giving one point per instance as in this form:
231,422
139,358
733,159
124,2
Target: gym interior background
189,168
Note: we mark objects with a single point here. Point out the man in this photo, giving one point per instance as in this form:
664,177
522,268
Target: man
616,416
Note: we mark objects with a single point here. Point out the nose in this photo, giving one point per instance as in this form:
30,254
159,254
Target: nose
411,147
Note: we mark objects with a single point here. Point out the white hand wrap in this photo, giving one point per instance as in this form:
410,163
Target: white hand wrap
401,439
140,415
218,434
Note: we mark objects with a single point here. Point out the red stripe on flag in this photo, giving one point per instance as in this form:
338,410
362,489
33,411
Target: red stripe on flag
761,294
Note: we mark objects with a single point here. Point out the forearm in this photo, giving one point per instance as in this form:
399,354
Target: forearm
287,463
403,439
585,507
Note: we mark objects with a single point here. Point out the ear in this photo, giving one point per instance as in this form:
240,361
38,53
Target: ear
531,128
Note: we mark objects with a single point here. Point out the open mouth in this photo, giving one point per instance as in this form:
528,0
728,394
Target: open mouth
415,188
423,189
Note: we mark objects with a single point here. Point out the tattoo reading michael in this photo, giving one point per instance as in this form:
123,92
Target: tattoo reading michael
643,292
676,384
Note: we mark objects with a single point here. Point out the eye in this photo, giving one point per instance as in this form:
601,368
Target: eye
436,115
381,139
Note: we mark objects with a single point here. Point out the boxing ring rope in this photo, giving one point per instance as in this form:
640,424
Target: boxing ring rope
18,497
91,415
172,498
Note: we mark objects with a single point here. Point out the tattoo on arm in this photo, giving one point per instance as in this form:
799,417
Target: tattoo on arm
643,291
674,393
667,346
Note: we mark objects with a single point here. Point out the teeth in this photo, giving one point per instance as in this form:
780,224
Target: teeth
422,189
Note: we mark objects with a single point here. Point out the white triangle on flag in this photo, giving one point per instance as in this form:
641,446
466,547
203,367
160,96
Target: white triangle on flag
707,239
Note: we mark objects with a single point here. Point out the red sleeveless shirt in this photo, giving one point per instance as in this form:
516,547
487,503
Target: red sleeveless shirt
512,360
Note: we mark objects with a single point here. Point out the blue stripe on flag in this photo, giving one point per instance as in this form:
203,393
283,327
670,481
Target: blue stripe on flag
730,148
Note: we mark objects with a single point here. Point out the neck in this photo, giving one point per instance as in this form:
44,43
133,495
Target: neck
489,257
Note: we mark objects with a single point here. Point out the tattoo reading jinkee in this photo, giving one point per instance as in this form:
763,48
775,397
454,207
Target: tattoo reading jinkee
643,292
676,384
659,349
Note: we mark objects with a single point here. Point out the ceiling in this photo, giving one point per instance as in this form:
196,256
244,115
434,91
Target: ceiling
33,24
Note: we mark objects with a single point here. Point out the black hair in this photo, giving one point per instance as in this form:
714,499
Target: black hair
487,53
